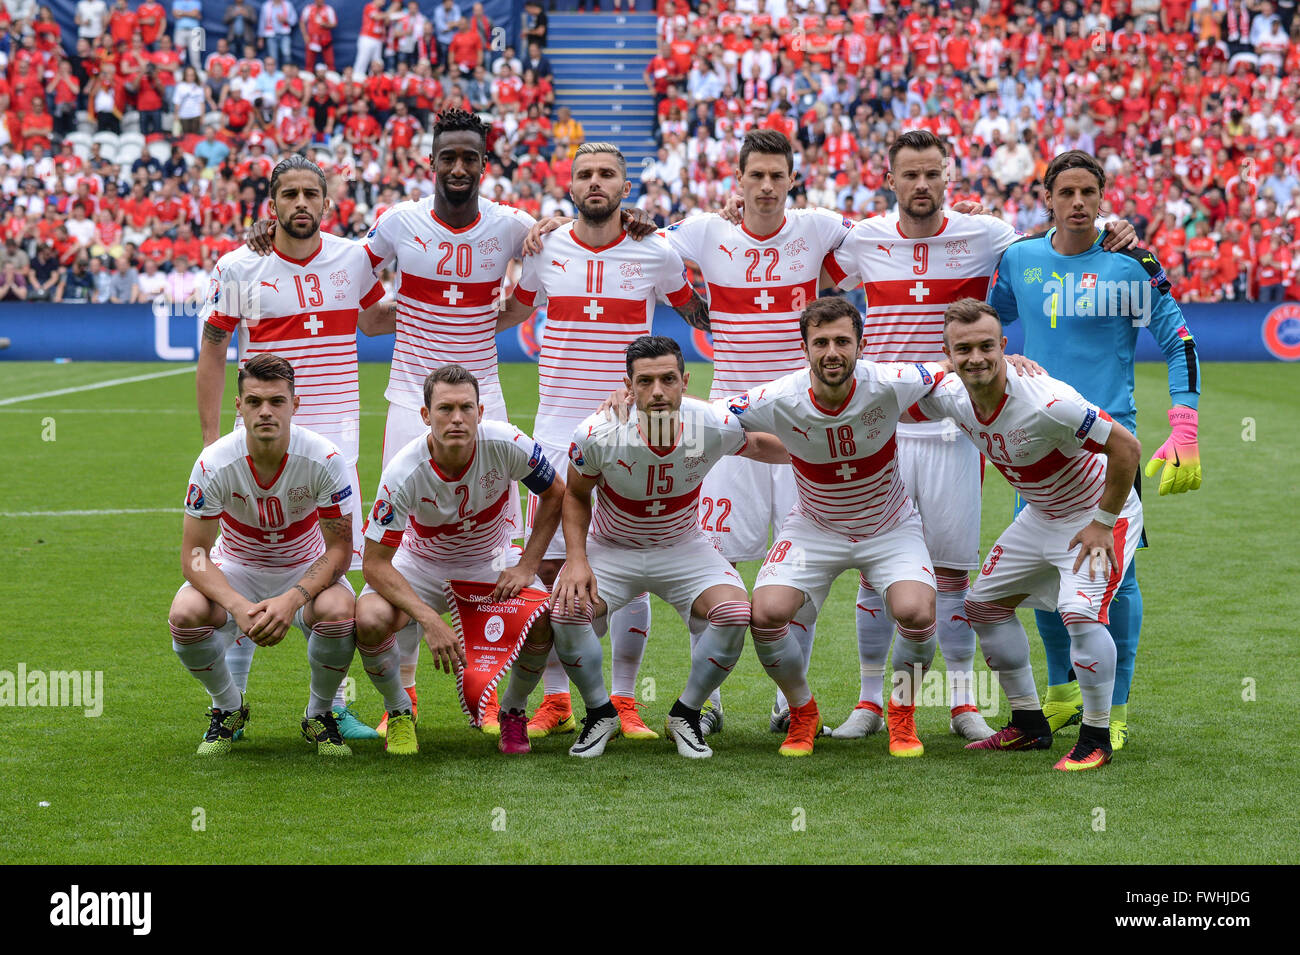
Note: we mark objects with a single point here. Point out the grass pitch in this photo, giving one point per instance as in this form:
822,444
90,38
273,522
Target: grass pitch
1203,778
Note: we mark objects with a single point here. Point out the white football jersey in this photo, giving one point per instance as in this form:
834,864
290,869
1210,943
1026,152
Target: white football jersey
305,312
597,302
645,497
909,282
1045,438
276,525
460,518
843,458
758,286
448,287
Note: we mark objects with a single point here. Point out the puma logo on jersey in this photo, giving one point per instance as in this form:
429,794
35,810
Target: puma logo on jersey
240,496
802,431
887,249
510,521
728,251
330,455
1052,402
624,464
272,285
428,500
1084,596
424,245
561,265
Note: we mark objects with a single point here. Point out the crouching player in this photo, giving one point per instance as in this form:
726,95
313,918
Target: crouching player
1068,550
645,536
265,545
443,512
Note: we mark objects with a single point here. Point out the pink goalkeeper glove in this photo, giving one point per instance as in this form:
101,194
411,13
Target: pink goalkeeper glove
1179,455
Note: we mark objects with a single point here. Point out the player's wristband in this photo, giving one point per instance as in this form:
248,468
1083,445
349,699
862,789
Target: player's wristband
1105,517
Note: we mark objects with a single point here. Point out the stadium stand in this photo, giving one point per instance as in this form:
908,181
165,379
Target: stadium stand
136,140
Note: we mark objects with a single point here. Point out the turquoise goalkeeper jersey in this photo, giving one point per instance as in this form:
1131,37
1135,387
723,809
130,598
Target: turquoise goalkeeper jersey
1082,314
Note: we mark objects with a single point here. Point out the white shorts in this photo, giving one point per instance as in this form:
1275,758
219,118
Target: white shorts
941,471
808,557
404,425
260,583
1031,557
743,504
428,579
677,573
559,458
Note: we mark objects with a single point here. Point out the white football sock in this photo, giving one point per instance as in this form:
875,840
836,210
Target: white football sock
803,628
1005,646
554,680
912,658
408,647
202,651
1092,654
628,629
383,664
716,651
783,661
578,648
330,646
956,640
524,675
875,632
239,658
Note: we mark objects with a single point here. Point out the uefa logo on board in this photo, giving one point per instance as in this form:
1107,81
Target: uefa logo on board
1281,332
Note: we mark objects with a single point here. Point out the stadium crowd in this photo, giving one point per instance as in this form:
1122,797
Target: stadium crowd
132,165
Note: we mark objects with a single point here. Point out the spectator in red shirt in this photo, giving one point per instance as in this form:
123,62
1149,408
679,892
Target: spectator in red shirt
152,21
361,128
466,49
64,89
317,23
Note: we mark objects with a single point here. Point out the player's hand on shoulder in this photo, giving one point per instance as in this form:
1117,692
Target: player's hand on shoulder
260,236
733,210
442,643
617,405
970,207
1118,236
533,241
637,223
1023,366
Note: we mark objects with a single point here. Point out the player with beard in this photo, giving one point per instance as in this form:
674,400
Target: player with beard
913,266
304,303
600,289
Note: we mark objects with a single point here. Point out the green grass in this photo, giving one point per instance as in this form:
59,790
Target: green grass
1203,779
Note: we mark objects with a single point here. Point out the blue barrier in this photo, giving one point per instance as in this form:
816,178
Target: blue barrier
41,332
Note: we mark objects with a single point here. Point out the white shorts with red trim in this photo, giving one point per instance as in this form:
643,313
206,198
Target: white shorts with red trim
427,578
743,504
559,458
676,573
258,583
808,557
1031,557
941,471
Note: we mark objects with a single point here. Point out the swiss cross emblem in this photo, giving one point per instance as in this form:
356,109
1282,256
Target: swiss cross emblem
339,278
1089,280
630,269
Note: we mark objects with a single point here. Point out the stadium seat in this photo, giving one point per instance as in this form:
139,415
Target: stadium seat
160,151
81,150
129,139
131,122
106,139
215,118
86,126
127,153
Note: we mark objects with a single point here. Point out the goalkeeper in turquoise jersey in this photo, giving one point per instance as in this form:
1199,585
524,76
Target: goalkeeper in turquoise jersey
1082,307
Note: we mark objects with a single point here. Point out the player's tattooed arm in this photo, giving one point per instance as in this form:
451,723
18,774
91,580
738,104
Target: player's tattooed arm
695,312
210,381
337,532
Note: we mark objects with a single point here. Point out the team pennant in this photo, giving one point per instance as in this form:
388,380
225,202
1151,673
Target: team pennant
491,631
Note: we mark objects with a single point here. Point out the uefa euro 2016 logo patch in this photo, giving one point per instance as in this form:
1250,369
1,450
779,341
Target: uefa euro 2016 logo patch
194,498
738,405
575,454
382,513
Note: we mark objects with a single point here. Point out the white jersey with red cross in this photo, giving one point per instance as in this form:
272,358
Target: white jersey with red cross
758,286
305,311
843,458
909,282
1045,438
448,289
647,497
597,302
275,525
456,518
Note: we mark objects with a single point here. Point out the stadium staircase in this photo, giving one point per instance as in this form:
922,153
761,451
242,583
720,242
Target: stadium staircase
599,61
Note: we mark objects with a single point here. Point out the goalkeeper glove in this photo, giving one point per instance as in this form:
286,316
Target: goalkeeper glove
1179,455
